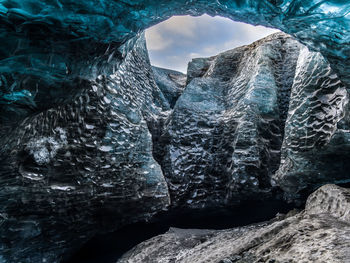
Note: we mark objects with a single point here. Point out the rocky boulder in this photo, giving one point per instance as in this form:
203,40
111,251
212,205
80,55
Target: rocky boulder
320,233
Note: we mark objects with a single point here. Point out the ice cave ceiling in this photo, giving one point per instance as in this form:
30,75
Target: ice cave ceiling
86,140
62,41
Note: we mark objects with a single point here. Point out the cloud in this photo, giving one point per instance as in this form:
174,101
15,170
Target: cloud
180,25
173,43
155,40
194,55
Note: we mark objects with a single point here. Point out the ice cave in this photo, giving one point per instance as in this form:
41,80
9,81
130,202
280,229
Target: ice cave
96,145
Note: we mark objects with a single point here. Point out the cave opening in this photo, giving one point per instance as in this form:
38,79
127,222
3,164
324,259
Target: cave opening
202,93
171,45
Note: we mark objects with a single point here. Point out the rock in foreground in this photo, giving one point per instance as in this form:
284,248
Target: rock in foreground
320,233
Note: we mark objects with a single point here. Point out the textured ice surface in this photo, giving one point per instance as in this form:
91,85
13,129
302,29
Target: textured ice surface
221,144
82,167
50,47
44,149
80,67
55,32
316,145
170,82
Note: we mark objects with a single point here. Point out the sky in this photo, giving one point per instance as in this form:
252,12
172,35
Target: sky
174,42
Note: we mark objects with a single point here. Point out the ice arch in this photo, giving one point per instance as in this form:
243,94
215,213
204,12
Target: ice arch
60,41
321,24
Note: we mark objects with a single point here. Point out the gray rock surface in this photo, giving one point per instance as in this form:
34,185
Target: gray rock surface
320,233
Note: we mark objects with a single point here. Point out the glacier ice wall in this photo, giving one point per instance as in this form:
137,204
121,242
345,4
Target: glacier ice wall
171,83
221,144
316,145
78,103
91,27
82,167
270,114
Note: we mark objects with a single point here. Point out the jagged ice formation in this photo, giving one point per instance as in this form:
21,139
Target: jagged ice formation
221,144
